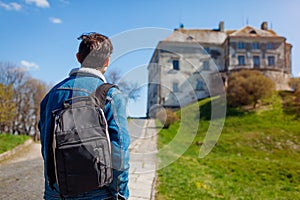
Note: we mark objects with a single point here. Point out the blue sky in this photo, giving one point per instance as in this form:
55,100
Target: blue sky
41,35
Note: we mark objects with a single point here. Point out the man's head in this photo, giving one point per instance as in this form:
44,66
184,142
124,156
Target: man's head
94,51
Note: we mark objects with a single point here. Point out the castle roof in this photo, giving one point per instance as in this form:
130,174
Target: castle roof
197,35
216,36
249,31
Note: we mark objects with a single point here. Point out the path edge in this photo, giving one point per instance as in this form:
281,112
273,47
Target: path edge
15,150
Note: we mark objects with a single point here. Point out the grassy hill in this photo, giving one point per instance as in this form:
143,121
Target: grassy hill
256,157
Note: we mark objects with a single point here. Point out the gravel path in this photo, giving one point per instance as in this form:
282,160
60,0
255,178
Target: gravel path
21,176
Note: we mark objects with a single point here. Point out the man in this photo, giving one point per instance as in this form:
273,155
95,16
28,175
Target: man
94,54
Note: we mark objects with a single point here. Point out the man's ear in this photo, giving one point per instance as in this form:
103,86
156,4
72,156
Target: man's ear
106,62
104,68
78,57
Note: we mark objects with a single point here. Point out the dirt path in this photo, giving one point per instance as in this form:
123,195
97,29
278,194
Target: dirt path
21,176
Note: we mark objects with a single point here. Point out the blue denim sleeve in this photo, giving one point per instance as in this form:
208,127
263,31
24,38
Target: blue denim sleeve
42,125
118,129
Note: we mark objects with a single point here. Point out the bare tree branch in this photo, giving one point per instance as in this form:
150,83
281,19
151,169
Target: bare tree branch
130,89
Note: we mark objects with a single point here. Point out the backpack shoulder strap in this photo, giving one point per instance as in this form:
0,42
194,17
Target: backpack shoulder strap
101,93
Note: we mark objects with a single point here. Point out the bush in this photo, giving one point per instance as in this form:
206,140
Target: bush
167,117
295,84
247,87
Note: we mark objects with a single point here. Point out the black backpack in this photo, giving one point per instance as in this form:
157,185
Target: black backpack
79,158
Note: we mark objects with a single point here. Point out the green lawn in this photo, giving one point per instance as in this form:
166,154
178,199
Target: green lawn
8,141
256,157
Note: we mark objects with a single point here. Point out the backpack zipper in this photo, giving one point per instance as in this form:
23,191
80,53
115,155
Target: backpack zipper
80,142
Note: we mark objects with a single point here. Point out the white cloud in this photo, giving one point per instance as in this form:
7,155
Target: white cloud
55,20
39,3
16,6
29,65
10,6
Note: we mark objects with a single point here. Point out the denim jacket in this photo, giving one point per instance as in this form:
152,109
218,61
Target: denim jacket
82,82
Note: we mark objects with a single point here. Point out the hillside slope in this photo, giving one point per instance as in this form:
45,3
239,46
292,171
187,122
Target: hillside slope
256,157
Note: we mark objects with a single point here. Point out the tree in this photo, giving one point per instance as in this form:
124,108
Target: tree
167,117
36,91
132,90
15,76
20,96
7,107
11,74
247,87
113,76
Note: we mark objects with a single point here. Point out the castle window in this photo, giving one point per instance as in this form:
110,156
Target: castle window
270,46
256,61
255,45
176,64
199,85
215,54
271,60
241,60
241,45
206,65
175,87
206,49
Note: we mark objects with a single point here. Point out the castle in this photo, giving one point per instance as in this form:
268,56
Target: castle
184,65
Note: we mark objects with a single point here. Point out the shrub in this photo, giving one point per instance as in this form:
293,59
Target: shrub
167,117
247,87
295,84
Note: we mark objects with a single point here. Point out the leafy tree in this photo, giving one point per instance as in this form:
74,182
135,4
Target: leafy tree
7,106
20,96
247,87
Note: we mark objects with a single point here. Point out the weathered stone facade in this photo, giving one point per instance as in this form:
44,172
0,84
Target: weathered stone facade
186,65
263,50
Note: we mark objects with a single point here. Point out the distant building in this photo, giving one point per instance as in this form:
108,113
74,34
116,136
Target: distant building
184,65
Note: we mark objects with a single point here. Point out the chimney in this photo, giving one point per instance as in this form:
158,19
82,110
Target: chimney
264,26
221,26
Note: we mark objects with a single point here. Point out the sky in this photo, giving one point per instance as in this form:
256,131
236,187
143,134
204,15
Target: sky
41,35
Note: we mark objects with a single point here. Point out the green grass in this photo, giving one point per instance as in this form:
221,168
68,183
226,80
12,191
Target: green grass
8,141
256,157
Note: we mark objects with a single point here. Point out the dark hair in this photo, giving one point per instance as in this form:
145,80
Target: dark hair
94,49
